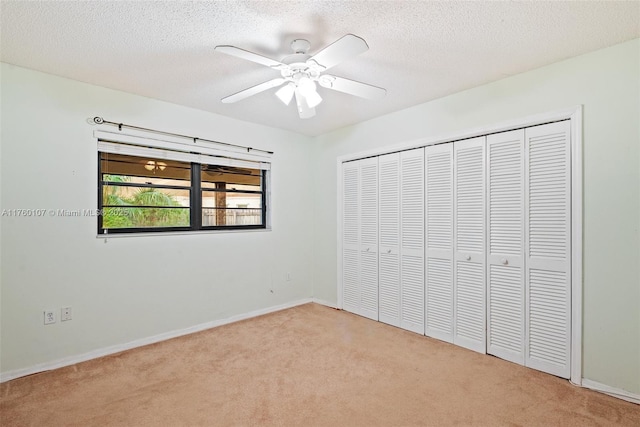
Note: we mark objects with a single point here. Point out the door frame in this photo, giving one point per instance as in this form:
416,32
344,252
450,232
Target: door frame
574,114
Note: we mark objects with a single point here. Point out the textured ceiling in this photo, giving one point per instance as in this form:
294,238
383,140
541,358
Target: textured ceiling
418,50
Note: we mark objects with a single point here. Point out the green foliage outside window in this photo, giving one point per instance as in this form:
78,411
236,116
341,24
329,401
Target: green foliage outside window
132,216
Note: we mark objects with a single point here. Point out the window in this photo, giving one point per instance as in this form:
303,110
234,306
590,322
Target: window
145,194
231,196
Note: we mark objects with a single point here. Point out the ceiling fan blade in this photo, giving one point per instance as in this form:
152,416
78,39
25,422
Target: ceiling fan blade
253,90
249,56
343,48
352,87
303,108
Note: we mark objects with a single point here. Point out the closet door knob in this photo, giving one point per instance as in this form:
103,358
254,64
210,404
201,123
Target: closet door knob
504,261
468,257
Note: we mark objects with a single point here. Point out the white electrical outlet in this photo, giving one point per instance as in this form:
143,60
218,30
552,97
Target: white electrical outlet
65,314
49,317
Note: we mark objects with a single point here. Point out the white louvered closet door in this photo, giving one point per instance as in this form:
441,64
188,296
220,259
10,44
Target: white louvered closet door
548,247
368,228
412,240
351,237
439,242
389,229
469,242
505,257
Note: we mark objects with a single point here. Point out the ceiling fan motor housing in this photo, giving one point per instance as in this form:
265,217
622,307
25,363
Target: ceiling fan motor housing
299,63
298,66
300,45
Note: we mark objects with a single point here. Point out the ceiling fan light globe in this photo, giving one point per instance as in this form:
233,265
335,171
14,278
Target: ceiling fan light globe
285,93
313,98
306,85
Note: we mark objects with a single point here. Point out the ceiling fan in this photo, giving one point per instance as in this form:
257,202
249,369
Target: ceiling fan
300,72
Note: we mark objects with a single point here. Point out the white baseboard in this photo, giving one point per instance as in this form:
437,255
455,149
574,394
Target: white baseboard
324,302
72,360
611,391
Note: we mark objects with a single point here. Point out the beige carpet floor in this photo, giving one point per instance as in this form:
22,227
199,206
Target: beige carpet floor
309,365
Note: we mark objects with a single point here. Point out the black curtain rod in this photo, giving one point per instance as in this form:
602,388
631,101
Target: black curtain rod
100,121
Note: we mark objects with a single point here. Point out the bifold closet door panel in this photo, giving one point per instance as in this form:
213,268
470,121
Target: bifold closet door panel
548,244
412,240
351,237
439,242
469,242
389,238
505,257
368,229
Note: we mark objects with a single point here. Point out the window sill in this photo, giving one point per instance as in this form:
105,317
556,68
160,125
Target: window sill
180,233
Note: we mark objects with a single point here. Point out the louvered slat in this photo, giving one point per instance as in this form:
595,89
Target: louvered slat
548,335
506,313
412,191
369,284
350,205
389,229
470,198
548,196
469,260
350,237
412,240
505,234
389,289
350,279
470,303
548,242
439,310
439,242
439,198
389,166
369,204
369,238
413,293
505,195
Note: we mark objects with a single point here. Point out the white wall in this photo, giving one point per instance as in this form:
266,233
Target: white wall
128,288
607,84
